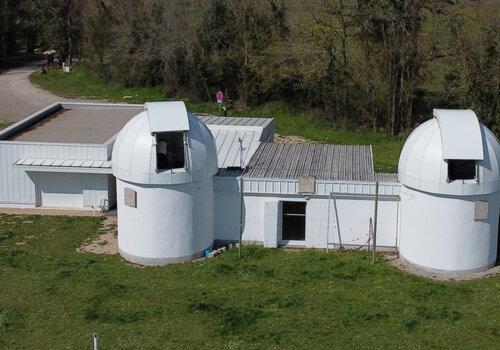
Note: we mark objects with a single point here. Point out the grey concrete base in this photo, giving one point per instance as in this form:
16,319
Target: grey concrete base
230,241
447,272
381,249
331,246
161,261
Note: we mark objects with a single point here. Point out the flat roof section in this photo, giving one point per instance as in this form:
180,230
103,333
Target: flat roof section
78,125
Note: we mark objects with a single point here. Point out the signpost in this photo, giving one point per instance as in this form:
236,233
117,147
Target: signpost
219,96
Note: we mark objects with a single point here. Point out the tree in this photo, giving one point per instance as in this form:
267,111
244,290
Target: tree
390,33
61,26
473,80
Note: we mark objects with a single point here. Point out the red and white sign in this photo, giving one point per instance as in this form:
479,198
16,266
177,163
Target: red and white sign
219,96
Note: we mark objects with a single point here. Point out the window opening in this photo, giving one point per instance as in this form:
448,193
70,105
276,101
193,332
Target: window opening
461,169
169,150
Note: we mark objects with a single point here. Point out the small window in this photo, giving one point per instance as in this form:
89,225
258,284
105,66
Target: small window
169,150
294,221
461,170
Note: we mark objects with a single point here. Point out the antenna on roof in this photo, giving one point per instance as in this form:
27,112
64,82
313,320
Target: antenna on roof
240,140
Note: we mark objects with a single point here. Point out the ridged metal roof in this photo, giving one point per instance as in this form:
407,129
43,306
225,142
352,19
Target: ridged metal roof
325,162
65,165
228,131
70,163
230,152
234,121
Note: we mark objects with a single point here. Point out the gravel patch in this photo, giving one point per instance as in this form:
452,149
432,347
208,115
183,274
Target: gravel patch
291,139
416,270
107,242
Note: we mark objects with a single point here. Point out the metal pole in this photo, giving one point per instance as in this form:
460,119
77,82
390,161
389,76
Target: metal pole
370,235
375,223
328,220
241,216
95,341
241,152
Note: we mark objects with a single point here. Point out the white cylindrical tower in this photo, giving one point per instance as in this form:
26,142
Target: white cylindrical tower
164,160
449,170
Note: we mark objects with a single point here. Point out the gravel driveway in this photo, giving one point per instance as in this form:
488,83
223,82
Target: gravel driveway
19,98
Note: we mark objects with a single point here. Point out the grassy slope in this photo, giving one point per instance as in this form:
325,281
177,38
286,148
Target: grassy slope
53,297
289,121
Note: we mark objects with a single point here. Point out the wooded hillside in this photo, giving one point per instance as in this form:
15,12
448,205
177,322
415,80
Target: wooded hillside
360,64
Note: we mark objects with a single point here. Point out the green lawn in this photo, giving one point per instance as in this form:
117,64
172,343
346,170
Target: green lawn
289,120
52,297
3,125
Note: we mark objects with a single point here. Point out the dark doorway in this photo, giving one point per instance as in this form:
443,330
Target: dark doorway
294,221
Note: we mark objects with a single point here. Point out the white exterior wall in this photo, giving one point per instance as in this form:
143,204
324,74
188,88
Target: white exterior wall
171,223
439,232
16,186
96,191
349,214
62,189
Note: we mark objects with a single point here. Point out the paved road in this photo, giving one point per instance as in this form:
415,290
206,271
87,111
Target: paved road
18,97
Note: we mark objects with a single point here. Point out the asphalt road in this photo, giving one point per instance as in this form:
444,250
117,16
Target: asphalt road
19,98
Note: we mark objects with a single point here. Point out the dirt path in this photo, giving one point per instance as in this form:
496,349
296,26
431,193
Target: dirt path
19,98
290,139
106,242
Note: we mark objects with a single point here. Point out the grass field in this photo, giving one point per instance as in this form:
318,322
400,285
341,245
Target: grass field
53,297
289,121
3,125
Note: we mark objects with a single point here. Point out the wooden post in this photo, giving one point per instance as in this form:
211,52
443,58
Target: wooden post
241,216
375,224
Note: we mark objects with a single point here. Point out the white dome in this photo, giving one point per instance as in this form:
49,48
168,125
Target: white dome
451,135
134,156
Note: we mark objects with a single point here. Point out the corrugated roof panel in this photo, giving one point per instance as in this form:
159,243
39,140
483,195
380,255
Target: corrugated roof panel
234,121
228,130
37,162
327,162
78,163
48,162
68,163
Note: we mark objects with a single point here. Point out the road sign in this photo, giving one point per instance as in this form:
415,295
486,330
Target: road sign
219,96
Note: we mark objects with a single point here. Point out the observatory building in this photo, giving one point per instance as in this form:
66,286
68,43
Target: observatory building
164,161
183,182
449,171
